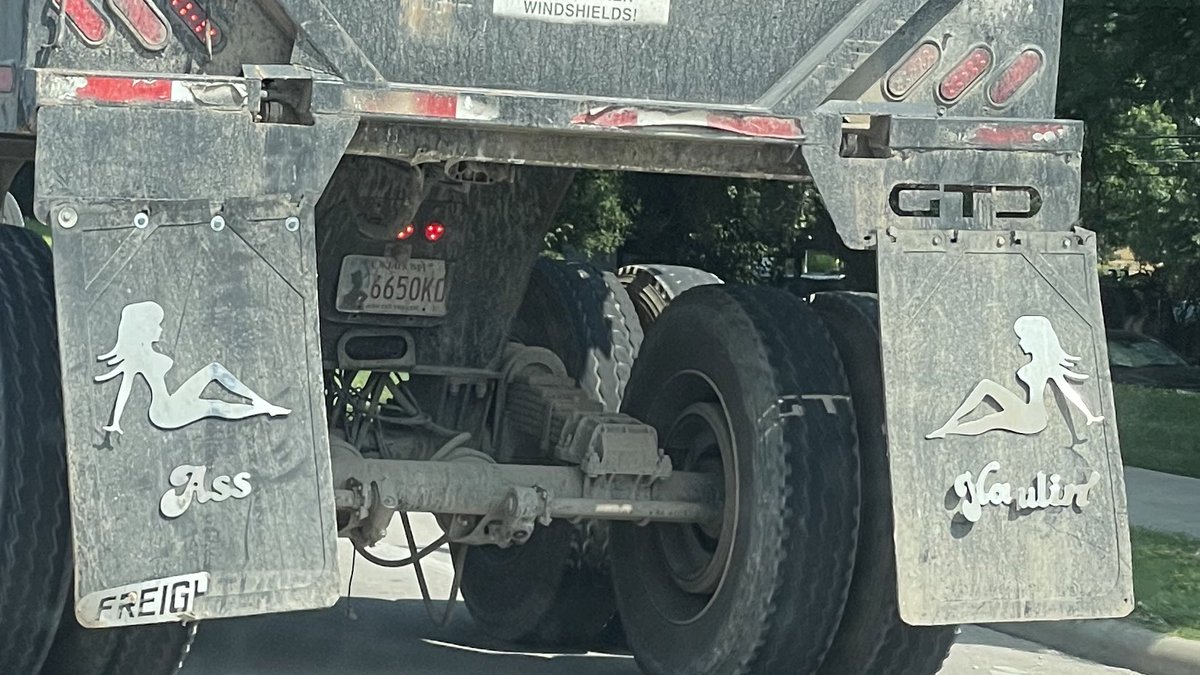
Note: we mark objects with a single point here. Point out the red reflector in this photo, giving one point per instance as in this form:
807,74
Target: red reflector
434,231
428,104
754,125
124,90
902,80
148,25
966,73
7,76
199,24
407,232
89,23
1018,73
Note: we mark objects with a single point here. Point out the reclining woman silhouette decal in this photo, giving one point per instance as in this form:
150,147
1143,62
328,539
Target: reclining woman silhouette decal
134,354
1049,364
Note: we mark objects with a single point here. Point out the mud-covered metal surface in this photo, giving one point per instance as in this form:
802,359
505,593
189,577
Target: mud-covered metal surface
896,169
187,303
706,50
1009,496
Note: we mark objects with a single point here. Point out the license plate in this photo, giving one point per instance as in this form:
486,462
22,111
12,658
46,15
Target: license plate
381,285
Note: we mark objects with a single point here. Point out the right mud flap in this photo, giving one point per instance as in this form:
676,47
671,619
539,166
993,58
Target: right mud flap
1008,490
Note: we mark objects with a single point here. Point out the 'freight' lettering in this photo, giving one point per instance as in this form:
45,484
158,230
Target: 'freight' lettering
152,601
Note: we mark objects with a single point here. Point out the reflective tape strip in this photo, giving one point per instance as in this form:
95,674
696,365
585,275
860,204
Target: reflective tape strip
63,88
432,104
761,126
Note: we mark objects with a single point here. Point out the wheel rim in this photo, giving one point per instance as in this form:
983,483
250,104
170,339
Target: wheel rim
696,557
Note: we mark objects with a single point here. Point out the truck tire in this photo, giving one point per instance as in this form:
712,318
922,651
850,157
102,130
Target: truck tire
653,287
744,382
34,518
872,638
556,589
158,649
38,631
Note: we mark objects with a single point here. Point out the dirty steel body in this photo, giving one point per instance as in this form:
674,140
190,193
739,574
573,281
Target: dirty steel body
227,182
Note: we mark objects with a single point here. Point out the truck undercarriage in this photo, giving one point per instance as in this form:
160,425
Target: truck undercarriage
296,291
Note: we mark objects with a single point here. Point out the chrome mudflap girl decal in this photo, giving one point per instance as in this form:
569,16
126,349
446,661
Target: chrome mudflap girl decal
1049,364
134,354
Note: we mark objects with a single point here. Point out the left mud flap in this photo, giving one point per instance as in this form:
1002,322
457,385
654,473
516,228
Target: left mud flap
198,452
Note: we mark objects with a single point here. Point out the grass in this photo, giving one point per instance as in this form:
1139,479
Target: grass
1159,429
33,224
1166,582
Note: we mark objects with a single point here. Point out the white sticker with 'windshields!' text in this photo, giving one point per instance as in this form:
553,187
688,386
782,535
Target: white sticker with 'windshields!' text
607,12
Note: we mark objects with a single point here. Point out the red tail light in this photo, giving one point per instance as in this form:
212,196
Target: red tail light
148,25
1015,76
199,23
92,26
7,76
913,70
407,232
966,73
434,231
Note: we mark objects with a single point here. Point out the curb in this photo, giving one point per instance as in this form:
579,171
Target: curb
1112,642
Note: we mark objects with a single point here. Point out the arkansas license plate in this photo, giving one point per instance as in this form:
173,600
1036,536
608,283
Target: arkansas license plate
381,285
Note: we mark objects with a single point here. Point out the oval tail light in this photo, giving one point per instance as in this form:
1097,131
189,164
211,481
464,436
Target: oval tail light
1015,76
91,26
148,25
966,73
912,70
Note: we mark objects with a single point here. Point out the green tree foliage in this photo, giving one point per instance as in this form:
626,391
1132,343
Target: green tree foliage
595,217
735,229
741,230
1129,72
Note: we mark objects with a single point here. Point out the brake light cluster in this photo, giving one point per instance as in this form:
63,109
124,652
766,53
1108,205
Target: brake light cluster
146,22
972,68
7,79
196,17
433,231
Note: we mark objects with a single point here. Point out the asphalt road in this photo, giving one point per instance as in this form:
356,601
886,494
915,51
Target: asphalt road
1162,501
383,629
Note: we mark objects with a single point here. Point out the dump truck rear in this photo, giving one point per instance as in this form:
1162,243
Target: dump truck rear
295,294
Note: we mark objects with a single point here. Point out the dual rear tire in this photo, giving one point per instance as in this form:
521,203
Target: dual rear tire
38,630
556,589
786,399
745,382
783,399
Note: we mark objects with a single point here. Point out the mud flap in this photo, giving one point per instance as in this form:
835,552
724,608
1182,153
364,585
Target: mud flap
1009,494
187,304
